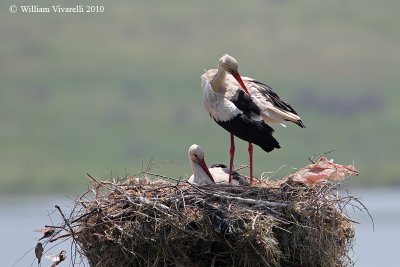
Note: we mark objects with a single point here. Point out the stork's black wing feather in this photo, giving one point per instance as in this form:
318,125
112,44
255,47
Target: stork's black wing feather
219,165
256,132
244,102
277,101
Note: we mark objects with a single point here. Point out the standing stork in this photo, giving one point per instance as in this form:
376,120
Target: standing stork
244,107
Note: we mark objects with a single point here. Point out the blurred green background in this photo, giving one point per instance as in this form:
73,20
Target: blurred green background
106,93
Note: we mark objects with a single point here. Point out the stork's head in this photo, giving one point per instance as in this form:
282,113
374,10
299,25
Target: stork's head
230,65
196,155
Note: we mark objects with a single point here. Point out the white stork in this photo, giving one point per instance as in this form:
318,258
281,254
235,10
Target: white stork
217,174
244,107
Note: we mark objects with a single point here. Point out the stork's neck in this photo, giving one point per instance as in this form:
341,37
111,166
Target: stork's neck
218,81
199,175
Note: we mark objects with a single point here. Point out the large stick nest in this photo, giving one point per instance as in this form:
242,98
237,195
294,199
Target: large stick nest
138,222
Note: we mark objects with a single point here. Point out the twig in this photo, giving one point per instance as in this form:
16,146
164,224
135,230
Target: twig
257,202
61,236
66,221
311,159
85,215
163,176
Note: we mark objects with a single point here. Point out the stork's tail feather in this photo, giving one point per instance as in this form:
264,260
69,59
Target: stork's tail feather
276,115
300,123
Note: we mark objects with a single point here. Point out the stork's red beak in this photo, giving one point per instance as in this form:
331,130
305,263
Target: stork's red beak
205,168
240,81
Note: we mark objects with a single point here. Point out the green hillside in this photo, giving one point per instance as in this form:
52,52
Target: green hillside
105,93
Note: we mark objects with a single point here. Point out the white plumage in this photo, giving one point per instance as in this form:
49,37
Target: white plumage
216,103
219,100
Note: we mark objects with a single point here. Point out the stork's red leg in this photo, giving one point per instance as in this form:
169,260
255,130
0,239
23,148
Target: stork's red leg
251,162
232,153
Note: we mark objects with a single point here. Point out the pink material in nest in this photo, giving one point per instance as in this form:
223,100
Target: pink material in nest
323,170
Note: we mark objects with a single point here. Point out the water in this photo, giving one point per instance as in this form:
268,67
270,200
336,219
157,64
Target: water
19,216
379,246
